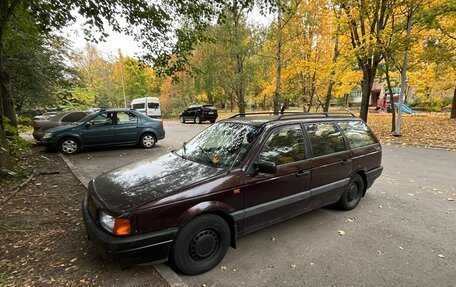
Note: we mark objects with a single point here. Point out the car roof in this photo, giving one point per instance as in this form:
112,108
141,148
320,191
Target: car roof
259,119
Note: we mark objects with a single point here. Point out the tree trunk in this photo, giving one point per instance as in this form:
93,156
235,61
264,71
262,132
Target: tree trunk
239,69
5,160
6,94
312,91
453,106
393,110
279,60
333,71
398,132
366,85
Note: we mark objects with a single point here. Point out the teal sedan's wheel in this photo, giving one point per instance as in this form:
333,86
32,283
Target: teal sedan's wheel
69,146
148,141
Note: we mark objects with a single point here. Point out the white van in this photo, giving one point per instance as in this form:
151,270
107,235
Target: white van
148,105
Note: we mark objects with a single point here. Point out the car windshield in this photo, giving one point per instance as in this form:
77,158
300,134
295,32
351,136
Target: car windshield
221,145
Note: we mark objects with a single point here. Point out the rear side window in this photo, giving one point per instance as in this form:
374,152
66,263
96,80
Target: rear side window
126,118
73,117
153,105
139,106
325,139
285,145
357,133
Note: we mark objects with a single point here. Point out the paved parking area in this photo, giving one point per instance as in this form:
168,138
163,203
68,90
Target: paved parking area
402,233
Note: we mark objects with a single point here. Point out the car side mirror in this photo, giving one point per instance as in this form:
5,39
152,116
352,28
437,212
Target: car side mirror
265,167
87,125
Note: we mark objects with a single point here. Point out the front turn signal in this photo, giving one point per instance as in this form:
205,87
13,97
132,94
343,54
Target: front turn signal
122,226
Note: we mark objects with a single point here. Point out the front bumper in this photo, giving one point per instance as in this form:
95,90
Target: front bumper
38,136
152,247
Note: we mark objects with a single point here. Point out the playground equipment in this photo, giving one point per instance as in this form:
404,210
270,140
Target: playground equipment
405,109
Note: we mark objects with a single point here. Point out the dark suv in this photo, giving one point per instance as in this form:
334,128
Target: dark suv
199,114
235,177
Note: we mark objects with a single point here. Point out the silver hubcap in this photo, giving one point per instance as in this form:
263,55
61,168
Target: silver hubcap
148,141
69,146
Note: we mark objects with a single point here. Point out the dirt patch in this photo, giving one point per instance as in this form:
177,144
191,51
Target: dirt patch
43,236
425,129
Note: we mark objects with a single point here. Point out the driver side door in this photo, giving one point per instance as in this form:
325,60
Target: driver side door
99,130
269,198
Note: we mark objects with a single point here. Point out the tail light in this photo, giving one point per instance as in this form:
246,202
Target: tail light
36,127
163,125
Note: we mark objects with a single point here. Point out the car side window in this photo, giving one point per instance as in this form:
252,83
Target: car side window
103,119
73,117
325,139
126,118
139,106
357,133
284,145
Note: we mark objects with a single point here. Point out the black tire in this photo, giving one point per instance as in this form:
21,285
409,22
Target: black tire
69,146
200,245
198,120
147,140
352,194
182,120
212,121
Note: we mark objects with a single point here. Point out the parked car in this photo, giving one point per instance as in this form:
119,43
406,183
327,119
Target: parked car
41,126
45,116
235,177
106,128
199,114
149,106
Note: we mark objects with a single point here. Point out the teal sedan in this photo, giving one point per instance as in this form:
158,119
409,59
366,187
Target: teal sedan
113,127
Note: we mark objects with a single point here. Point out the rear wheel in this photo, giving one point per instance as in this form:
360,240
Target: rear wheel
198,120
352,194
69,146
201,244
182,120
148,140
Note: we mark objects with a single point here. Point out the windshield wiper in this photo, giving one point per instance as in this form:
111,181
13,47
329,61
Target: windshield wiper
207,155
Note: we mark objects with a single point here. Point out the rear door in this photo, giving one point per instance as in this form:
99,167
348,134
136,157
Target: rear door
272,197
331,163
126,128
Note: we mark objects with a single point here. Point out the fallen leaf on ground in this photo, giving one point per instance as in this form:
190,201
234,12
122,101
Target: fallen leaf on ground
293,266
341,232
273,239
401,248
450,199
441,256
379,252
411,194
222,268
350,219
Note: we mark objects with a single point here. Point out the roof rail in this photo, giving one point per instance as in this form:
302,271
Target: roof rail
295,114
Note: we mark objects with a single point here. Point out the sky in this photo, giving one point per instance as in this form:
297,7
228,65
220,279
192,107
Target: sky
125,43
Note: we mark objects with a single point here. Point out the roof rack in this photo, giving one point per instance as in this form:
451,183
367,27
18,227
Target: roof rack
295,114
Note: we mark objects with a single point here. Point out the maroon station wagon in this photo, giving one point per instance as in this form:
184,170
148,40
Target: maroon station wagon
235,177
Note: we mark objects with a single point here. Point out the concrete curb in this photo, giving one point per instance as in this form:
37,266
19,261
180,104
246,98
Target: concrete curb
171,278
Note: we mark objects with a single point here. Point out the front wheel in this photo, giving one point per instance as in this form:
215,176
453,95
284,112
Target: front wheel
352,194
200,245
69,146
148,141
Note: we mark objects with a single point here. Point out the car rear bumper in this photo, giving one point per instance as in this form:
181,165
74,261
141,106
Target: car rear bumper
209,117
373,174
152,247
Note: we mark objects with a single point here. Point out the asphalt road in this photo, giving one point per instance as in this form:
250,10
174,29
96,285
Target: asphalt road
403,233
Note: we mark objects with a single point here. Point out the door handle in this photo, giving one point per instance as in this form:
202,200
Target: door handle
346,161
302,173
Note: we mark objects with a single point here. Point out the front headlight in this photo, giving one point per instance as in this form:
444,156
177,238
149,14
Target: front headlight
107,221
47,135
117,226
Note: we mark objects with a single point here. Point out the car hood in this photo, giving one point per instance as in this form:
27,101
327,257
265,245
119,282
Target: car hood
135,184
